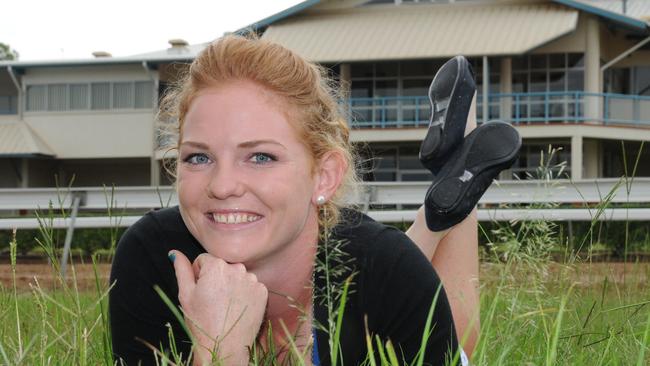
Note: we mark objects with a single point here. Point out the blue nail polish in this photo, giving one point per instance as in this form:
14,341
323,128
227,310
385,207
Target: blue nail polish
171,256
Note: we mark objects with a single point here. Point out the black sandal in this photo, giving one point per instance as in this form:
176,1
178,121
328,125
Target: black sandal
468,172
451,93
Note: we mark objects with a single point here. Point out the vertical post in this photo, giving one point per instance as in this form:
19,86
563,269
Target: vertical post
154,167
576,157
345,85
486,88
592,71
505,110
68,235
24,173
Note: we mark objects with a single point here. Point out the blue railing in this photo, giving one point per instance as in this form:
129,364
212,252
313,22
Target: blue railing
517,108
8,104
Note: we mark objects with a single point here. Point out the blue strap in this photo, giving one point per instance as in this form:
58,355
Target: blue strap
315,359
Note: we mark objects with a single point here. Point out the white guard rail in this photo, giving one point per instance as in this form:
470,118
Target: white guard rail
372,195
376,193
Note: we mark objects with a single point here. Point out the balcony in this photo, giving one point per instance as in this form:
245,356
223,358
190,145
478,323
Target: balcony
517,108
8,104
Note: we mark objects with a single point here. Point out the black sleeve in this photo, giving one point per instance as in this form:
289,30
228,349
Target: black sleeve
137,313
400,287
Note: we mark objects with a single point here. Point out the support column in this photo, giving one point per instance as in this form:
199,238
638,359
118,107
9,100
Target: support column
155,171
505,104
345,78
486,89
576,157
24,173
505,110
593,109
592,160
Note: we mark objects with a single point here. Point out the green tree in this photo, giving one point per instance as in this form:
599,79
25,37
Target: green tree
7,53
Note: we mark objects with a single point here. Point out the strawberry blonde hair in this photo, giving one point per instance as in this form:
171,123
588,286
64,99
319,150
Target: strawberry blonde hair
310,95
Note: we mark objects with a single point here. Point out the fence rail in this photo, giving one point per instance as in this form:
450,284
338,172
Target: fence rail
372,195
517,108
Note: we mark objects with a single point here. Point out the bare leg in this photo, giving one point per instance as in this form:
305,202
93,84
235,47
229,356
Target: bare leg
454,255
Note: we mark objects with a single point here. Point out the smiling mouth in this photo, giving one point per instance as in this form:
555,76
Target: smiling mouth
232,218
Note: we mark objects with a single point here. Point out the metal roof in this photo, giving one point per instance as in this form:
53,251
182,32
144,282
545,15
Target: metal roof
639,9
18,140
607,11
168,55
422,31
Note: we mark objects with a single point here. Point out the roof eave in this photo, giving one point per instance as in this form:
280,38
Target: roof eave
624,20
93,62
278,16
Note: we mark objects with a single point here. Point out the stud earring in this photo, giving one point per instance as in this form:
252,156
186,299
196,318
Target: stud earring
320,200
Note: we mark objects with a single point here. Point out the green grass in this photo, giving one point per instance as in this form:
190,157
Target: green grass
530,315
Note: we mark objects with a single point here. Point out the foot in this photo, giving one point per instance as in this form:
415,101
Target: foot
451,93
468,172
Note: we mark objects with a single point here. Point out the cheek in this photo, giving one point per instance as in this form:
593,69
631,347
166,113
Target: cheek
190,187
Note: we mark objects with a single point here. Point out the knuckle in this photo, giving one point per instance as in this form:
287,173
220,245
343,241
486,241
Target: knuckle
239,267
252,277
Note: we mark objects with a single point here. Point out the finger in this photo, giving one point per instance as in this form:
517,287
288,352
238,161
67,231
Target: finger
199,263
251,277
241,268
184,273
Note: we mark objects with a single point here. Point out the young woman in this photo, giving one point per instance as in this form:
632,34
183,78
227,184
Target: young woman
264,168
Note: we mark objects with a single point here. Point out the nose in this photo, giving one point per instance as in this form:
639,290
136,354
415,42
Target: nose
227,181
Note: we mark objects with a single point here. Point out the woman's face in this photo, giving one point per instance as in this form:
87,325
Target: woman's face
245,186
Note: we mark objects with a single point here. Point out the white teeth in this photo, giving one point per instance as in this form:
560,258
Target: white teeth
234,218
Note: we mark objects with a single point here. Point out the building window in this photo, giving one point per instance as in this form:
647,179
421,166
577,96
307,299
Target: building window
534,155
122,95
101,95
57,97
392,91
549,80
398,163
95,96
143,94
494,86
78,97
36,97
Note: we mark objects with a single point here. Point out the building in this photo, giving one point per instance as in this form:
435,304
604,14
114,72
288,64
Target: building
567,73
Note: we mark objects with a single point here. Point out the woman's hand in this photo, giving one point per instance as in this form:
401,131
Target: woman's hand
223,305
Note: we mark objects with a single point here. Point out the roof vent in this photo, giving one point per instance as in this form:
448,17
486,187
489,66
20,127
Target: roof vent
100,54
178,43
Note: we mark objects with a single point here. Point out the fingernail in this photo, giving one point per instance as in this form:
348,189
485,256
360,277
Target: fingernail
171,256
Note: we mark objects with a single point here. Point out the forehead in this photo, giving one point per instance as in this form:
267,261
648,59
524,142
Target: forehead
238,109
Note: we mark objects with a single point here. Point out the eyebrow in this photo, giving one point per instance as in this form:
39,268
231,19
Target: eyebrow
195,144
249,144
245,145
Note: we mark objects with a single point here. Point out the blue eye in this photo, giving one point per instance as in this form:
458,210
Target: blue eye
197,159
262,158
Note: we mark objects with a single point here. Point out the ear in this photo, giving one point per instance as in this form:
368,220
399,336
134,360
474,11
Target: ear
329,175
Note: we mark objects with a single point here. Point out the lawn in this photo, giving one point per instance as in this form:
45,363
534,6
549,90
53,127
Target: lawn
531,314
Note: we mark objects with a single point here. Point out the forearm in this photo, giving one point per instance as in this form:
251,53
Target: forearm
228,353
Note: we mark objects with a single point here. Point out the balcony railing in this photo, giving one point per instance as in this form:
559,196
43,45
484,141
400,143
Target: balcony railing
517,108
8,104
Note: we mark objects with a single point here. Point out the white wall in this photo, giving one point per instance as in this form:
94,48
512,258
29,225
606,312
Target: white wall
92,134
95,135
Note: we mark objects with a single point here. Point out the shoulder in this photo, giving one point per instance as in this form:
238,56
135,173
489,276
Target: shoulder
368,238
150,239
